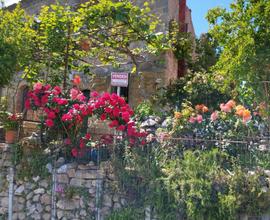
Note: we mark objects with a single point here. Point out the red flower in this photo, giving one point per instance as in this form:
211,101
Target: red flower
62,101
82,144
126,116
116,112
114,123
121,128
143,142
77,80
44,100
57,90
131,141
47,87
49,123
87,136
74,152
27,104
103,117
108,110
51,115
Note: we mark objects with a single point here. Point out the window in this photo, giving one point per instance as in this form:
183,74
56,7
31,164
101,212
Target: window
122,90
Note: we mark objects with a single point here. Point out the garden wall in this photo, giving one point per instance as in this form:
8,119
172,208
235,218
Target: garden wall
81,191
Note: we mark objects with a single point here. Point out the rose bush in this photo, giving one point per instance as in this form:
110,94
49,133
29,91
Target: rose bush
208,128
63,113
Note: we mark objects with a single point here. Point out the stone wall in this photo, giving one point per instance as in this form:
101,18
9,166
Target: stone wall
80,191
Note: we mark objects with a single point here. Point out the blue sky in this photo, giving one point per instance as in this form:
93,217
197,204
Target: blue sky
199,9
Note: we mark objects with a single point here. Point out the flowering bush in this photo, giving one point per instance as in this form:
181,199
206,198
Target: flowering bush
64,113
211,127
12,121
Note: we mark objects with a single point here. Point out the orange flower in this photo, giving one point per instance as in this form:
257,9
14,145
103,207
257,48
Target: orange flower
201,108
77,80
240,110
204,109
177,115
246,116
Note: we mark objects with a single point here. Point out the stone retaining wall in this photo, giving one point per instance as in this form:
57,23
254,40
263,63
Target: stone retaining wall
80,190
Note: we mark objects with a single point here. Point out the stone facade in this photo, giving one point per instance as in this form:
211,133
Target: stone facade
151,75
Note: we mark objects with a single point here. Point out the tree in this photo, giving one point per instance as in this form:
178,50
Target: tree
243,34
98,32
207,54
16,38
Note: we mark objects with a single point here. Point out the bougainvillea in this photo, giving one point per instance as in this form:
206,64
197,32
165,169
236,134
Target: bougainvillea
65,113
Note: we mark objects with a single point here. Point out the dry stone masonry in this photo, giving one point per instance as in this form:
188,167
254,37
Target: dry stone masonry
81,191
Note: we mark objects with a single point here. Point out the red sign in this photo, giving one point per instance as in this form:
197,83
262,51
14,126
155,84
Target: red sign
119,79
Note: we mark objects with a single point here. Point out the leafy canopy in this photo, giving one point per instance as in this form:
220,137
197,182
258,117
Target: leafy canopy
60,40
244,37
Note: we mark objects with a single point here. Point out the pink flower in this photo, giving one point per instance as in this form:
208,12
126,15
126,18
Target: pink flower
38,86
214,116
192,120
67,117
81,97
199,119
74,93
67,141
62,101
49,123
94,94
57,90
231,104
225,108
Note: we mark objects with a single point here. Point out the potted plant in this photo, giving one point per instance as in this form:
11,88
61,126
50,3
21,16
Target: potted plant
11,125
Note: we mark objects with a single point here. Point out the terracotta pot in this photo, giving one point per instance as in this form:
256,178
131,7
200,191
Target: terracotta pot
10,137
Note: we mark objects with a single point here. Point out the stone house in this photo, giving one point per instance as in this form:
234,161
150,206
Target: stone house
152,74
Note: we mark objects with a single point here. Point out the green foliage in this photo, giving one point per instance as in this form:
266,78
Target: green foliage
60,40
243,34
181,42
207,54
16,38
129,213
195,88
31,164
144,109
186,184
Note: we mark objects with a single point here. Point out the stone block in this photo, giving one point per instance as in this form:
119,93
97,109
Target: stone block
86,174
45,199
62,178
39,191
68,204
